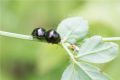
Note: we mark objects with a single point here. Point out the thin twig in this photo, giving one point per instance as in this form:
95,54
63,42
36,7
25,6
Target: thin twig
111,39
68,51
29,37
14,35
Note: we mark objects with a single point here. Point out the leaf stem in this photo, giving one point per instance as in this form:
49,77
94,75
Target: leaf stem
29,37
111,39
14,35
68,51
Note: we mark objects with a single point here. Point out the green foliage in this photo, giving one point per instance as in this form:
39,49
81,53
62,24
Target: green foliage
83,71
93,50
22,16
73,29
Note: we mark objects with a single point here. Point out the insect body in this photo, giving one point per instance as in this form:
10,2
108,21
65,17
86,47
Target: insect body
39,33
51,36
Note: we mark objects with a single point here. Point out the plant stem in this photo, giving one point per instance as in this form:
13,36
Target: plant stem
111,39
14,35
29,37
68,51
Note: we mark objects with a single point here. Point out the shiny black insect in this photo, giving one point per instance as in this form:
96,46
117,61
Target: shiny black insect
51,36
39,33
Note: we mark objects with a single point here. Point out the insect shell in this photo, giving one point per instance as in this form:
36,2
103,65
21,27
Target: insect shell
51,36
39,33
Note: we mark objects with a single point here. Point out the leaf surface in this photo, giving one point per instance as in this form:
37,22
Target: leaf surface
73,29
96,51
83,71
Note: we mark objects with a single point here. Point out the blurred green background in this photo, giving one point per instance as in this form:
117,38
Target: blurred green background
27,60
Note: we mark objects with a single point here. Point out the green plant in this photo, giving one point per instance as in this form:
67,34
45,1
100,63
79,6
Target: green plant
82,51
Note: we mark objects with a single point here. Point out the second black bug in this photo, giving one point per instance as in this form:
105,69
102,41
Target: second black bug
51,36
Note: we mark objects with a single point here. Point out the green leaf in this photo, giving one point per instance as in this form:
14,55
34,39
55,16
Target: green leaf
74,72
73,29
96,51
83,71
